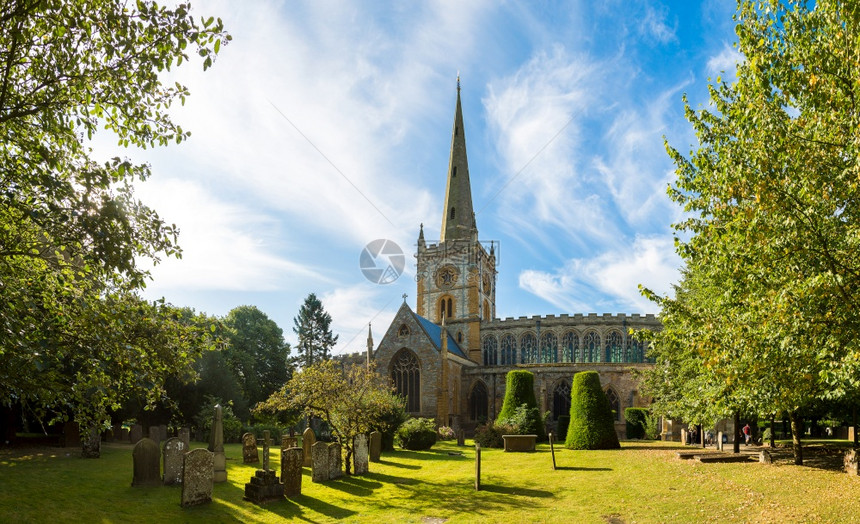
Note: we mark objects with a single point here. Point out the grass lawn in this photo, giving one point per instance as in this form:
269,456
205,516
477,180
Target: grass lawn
642,482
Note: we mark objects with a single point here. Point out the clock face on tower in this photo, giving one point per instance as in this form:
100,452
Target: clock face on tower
446,277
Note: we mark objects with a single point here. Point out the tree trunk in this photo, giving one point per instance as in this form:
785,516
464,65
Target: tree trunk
348,466
772,431
91,442
796,428
854,424
736,444
702,435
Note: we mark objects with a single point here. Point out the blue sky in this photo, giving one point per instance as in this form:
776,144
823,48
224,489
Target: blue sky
565,107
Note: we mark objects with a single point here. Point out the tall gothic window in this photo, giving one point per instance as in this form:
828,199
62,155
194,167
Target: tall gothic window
561,399
548,348
591,347
528,349
570,347
446,308
635,350
614,347
490,350
614,403
406,375
478,402
509,350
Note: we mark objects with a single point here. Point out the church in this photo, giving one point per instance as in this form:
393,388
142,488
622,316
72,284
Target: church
449,357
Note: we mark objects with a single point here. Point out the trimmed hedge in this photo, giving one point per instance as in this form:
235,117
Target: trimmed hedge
591,423
637,422
416,434
519,390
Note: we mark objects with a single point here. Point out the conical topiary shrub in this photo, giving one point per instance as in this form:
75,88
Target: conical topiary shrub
591,423
519,390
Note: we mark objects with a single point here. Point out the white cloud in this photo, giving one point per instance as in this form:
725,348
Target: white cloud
654,24
651,262
725,62
351,309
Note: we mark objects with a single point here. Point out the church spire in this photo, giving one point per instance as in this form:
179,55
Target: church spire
458,220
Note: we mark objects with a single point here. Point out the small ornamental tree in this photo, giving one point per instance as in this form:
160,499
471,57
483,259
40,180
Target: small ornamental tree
591,423
519,390
637,422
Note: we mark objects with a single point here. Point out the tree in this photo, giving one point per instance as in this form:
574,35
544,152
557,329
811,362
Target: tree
352,401
772,195
72,235
256,352
313,327
592,425
519,392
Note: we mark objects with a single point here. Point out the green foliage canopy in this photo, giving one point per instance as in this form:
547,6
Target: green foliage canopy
592,425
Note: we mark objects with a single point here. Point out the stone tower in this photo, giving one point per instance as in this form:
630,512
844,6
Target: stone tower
457,276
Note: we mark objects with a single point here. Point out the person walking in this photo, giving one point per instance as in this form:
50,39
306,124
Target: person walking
747,434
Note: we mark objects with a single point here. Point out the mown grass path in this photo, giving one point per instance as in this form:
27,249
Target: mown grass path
642,482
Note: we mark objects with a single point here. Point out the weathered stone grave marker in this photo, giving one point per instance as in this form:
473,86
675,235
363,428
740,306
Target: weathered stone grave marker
375,446
136,433
198,467
216,445
720,440
335,461
174,455
308,441
185,436
292,460
288,442
265,485
360,458
250,454
765,457
155,435
851,461
319,462
147,467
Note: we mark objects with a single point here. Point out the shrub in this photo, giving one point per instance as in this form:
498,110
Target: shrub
232,424
637,422
416,434
519,390
445,433
490,434
524,421
591,423
388,424
563,423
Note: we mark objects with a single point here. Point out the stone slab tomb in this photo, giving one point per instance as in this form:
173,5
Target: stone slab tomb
250,454
147,468
292,460
198,477
174,456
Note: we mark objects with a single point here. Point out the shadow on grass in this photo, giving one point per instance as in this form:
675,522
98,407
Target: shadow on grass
574,468
391,479
512,490
398,465
329,510
354,486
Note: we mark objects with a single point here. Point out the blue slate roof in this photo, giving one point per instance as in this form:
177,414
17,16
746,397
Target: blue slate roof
435,333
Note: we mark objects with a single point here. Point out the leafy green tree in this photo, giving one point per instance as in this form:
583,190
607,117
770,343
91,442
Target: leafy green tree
313,327
74,334
352,401
772,195
592,425
256,352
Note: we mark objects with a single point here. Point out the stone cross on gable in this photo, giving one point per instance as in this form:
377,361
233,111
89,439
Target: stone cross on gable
404,297
266,442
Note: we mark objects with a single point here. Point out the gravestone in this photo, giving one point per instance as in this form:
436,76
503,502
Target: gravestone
359,455
765,457
288,442
292,460
174,455
147,467
216,445
335,461
319,462
308,441
162,430
136,433
375,446
683,436
850,433
198,466
185,436
264,485
720,441
250,455
155,435
850,462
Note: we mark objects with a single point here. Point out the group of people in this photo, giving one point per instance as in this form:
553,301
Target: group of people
693,436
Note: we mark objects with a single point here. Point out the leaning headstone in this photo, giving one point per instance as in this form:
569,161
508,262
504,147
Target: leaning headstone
308,441
335,461
288,442
155,434
147,467
291,471
216,445
319,462
136,433
250,455
851,462
198,466
765,457
185,436
375,446
174,453
359,455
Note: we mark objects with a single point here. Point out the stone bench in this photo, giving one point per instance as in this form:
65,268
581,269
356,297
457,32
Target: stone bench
519,442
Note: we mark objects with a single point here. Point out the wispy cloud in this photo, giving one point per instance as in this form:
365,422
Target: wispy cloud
725,62
654,24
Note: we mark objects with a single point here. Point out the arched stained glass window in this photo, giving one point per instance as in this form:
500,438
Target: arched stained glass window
528,349
406,375
591,347
491,351
478,401
635,350
509,350
614,403
614,347
570,348
561,399
548,348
